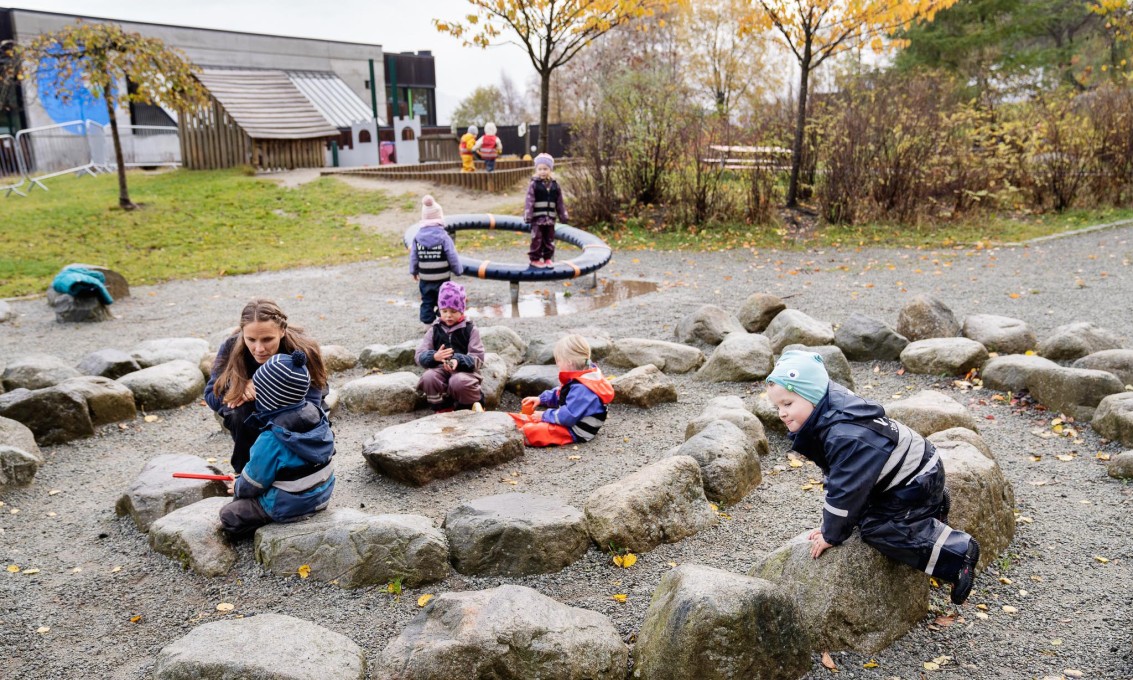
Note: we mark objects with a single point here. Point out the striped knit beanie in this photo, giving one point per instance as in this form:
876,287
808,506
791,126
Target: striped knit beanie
281,381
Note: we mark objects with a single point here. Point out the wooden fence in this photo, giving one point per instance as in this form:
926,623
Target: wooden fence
211,139
509,172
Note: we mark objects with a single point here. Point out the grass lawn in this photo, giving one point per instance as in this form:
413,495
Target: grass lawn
207,224
191,224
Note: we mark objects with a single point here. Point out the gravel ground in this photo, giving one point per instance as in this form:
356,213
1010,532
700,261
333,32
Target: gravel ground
97,574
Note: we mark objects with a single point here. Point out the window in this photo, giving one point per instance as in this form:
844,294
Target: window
407,134
364,137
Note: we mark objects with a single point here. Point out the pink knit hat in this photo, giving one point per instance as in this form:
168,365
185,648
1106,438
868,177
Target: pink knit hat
451,296
430,209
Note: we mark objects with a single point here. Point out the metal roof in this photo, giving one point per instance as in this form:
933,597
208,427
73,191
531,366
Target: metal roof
266,104
333,97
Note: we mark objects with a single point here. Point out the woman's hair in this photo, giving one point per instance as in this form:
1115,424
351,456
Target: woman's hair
234,378
573,350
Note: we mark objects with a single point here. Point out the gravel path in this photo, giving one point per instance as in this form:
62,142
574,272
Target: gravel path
97,573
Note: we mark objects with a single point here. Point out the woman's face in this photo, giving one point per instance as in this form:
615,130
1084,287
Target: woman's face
793,409
262,339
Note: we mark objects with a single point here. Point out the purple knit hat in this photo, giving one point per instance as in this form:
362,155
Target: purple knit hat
545,159
451,296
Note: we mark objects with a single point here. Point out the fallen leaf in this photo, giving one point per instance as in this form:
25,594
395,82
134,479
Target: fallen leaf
151,419
981,616
574,457
981,606
225,607
210,460
54,492
1072,673
828,662
1004,580
1022,519
304,570
424,599
1100,559
31,571
807,487
1102,456
1065,457
931,666
620,597
13,569
136,618
945,621
795,463
1008,609
626,561
870,664
115,570
42,629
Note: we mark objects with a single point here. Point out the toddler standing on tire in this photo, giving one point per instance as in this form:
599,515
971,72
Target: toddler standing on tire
544,203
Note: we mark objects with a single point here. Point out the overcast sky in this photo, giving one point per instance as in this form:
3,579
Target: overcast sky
396,25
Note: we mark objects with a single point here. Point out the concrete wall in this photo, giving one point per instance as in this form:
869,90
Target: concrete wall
350,61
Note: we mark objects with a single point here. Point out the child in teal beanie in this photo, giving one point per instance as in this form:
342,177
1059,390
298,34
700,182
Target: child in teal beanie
881,477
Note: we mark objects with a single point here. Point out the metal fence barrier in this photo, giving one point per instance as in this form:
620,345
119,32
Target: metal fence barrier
11,167
54,150
143,146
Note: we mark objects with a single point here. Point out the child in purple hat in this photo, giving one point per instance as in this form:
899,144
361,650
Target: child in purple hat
452,354
544,203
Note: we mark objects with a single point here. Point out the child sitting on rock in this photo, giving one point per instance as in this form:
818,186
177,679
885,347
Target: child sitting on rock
576,409
881,477
453,354
290,475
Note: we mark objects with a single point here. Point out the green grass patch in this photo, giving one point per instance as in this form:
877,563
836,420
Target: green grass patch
191,224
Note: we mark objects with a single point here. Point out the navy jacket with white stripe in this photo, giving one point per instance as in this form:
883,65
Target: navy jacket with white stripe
863,454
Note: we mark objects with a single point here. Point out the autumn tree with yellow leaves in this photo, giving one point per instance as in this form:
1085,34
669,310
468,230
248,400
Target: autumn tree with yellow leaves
105,56
551,32
815,30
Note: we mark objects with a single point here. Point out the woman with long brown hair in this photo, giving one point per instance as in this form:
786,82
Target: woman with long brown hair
263,333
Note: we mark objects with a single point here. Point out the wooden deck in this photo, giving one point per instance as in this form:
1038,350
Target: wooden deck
509,172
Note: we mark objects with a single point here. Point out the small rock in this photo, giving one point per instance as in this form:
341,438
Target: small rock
863,338
337,358
389,357
36,371
82,309
837,367
943,439
193,535
108,363
1116,361
670,357
54,416
1010,373
15,434
108,401
1120,467
999,333
792,327
6,312
531,381
762,408
384,394
728,458
708,324
17,467
943,356
1113,418
493,380
758,310
505,342
541,349
740,357
982,499
926,317
1076,340
164,350
930,411
1073,391
167,385
644,386
156,492
732,409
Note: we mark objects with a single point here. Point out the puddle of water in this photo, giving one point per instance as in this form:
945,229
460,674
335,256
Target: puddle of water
543,303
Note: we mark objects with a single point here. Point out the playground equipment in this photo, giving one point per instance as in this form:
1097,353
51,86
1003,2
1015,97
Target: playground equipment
595,253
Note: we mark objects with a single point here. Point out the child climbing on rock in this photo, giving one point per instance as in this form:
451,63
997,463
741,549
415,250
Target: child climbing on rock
432,257
576,409
881,477
290,475
489,147
544,203
452,354
467,142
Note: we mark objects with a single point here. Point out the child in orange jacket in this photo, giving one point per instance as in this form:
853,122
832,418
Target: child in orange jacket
576,409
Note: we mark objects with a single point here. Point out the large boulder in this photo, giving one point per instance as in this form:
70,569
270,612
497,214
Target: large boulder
943,356
389,357
740,357
925,317
1009,373
541,350
732,409
1073,391
758,310
505,342
1113,418
662,502
708,324
443,445
194,536
81,309
108,363
762,408
493,379
1076,340
17,435
54,416
728,459
930,411
837,367
108,401
384,394
164,350
863,338
355,550
260,647
531,381
645,386
983,501
17,466
792,327
505,633
1116,361
167,385
515,534
954,436
156,492
670,357
999,333
852,597
36,371
337,358
711,624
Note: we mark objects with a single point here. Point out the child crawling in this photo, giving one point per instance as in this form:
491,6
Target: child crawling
576,409
881,477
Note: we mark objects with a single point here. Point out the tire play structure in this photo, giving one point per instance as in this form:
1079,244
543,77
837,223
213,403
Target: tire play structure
595,253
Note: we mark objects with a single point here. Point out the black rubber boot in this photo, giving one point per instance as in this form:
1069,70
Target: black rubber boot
967,577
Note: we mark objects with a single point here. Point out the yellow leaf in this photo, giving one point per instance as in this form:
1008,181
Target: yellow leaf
424,599
795,463
620,597
870,664
628,560
1097,558
136,618
807,487
42,629
574,457
304,570
1102,456
115,570
982,607
31,571
54,492
1014,296
225,607
618,560
13,569
1065,457
931,666
828,662
715,508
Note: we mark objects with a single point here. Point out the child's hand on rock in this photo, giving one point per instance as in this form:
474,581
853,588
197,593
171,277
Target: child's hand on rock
818,544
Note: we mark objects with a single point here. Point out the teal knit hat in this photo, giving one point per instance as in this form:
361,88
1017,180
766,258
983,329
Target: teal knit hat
802,373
